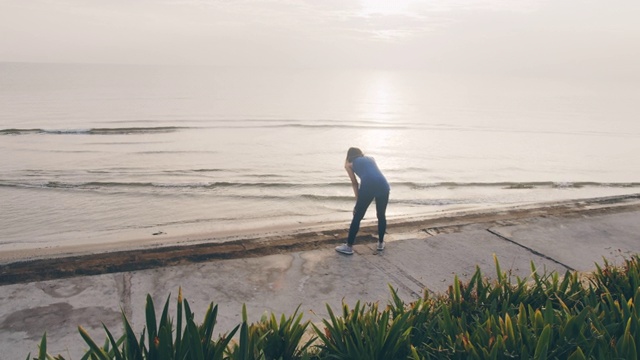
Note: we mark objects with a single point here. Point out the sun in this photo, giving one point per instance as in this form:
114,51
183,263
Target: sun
385,7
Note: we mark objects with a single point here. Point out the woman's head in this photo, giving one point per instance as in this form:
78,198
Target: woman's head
353,153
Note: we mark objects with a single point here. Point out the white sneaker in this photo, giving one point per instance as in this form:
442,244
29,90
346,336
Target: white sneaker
381,246
344,249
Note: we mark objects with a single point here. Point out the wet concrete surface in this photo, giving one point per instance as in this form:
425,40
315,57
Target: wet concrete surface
417,257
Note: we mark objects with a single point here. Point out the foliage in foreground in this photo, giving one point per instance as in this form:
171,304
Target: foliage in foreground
545,316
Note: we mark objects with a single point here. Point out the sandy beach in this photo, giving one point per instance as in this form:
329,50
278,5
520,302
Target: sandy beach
53,263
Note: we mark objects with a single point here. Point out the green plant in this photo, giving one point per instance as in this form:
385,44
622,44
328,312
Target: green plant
365,333
283,340
42,351
623,280
249,346
191,342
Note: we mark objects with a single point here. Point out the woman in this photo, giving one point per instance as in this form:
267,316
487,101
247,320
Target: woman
373,185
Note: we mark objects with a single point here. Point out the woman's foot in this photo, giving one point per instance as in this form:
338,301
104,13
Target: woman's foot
381,246
344,249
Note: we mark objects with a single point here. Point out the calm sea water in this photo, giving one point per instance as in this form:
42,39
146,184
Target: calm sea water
101,153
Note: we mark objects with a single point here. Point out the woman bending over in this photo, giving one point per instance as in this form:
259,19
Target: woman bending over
373,185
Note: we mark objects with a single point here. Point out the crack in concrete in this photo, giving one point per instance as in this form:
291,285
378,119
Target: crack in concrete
397,279
529,249
407,275
123,283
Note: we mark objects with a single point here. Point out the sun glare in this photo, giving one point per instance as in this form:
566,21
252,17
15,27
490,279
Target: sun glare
378,103
385,7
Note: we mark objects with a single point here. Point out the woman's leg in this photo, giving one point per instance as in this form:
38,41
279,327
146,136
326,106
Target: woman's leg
364,200
381,212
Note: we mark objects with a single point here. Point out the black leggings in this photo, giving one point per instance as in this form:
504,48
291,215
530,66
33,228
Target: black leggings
364,200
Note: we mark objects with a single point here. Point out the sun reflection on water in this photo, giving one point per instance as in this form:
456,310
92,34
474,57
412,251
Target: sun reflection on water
378,111
379,103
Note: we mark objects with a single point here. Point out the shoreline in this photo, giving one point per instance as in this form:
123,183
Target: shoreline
31,265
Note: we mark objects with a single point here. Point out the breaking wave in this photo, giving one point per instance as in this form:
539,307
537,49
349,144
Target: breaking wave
94,131
92,185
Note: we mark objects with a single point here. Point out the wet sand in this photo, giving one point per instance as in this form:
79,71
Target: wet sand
45,264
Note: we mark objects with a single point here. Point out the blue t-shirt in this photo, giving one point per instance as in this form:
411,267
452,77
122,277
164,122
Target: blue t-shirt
371,178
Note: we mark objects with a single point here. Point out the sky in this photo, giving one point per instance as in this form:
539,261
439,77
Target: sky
536,37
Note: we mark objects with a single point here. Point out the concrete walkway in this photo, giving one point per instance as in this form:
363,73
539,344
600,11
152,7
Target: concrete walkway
416,258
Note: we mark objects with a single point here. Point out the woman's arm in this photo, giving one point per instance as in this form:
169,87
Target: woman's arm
354,181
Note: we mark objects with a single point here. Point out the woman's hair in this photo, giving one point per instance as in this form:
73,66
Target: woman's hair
353,153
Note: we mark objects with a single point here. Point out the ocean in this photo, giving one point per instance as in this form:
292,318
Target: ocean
97,154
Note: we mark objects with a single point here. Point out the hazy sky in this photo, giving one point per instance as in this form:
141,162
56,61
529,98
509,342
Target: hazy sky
600,38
